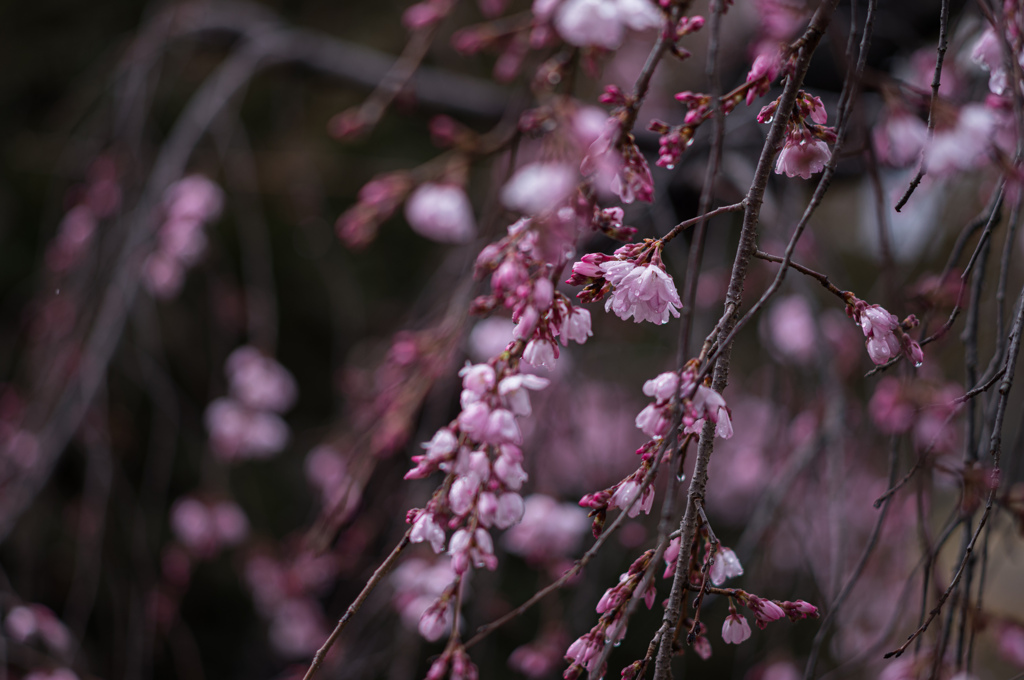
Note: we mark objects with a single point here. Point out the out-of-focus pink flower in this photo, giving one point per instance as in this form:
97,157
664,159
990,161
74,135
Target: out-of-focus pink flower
418,584
489,337
260,382
194,197
1011,644
735,629
55,674
189,203
726,566
35,621
779,19
538,187
988,54
782,670
423,14
239,432
205,529
163,276
791,329
229,522
441,212
900,669
803,158
190,521
889,409
588,123
297,628
549,530
602,23
539,658
965,145
73,236
899,138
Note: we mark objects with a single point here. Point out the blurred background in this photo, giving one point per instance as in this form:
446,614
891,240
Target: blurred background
209,400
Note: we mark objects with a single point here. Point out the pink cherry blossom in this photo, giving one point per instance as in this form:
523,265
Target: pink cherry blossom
735,629
576,326
602,23
1011,643
260,382
514,390
965,145
646,293
900,137
441,212
803,158
538,187
426,528
790,326
540,354
435,622
726,566
663,387
548,531
510,510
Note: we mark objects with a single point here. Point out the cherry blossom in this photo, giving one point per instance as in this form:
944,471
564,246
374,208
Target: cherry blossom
441,212
803,158
538,187
727,565
602,23
735,629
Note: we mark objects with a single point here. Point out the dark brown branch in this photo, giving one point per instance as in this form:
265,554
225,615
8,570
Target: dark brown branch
747,247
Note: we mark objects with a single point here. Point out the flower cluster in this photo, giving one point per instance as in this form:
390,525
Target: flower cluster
584,653
699,403
735,629
26,623
886,337
541,314
634,280
419,587
189,204
614,162
206,528
805,150
246,424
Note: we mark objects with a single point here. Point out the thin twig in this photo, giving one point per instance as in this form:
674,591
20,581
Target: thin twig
379,574
747,247
940,55
821,278
679,228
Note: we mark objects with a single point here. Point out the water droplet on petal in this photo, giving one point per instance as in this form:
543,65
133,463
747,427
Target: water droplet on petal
681,477
918,364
